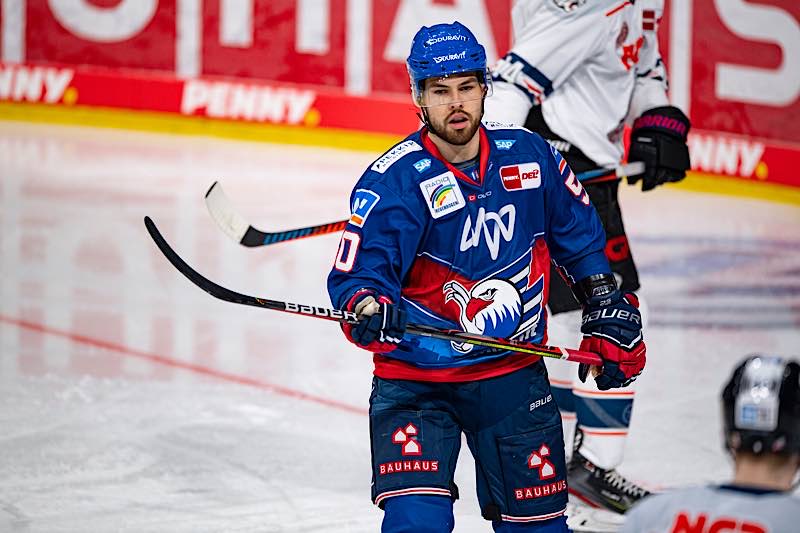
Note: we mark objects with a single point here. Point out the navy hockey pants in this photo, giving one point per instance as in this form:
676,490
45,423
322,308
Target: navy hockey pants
512,428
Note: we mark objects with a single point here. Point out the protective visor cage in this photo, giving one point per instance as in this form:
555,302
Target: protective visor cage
762,406
441,52
466,90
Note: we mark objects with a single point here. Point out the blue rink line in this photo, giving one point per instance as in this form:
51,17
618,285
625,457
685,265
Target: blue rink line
696,240
775,291
721,308
789,326
707,254
696,263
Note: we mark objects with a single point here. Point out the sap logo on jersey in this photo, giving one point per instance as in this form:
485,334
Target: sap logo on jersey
422,165
504,144
522,176
363,202
442,194
388,159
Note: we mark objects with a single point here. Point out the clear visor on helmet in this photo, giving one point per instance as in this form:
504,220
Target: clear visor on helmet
452,89
757,405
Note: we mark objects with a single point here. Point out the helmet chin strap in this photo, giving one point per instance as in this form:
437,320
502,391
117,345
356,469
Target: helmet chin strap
423,117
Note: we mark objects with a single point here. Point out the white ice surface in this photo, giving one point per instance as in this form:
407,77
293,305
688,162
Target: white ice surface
132,401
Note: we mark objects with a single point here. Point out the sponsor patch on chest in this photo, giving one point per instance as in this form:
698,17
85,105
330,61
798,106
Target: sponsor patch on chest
388,159
504,144
442,194
521,176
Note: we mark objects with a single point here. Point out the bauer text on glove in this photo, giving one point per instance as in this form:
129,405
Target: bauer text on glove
612,328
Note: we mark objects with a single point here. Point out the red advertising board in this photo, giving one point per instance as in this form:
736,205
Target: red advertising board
744,70
217,98
267,43
734,65
110,33
398,20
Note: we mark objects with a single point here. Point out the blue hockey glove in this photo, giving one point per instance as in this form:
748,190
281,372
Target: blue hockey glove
381,323
658,139
612,328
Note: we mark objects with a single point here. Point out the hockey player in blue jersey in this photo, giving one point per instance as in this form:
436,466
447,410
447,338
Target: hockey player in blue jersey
456,226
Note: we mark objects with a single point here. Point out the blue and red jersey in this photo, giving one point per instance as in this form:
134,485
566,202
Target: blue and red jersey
469,253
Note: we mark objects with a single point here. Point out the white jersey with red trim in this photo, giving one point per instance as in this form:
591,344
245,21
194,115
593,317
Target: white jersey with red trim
592,66
723,508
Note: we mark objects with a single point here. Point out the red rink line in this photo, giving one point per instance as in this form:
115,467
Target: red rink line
197,369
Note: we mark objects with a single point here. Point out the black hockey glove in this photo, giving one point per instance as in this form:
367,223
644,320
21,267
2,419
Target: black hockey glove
658,139
381,323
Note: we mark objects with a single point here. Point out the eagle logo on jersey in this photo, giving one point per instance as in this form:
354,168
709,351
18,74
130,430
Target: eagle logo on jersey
492,307
507,305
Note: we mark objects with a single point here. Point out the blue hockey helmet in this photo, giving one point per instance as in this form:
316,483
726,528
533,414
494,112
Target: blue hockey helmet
761,406
445,50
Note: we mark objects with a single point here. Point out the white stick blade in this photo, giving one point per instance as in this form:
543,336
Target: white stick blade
221,210
630,169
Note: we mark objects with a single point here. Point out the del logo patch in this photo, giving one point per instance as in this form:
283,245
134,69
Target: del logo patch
522,176
363,202
442,194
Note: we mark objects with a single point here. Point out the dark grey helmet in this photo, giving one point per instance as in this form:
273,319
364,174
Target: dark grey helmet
761,406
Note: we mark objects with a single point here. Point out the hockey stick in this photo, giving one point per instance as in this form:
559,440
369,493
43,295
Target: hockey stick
237,228
346,317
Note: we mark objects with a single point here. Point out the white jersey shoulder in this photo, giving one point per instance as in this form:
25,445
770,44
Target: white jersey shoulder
584,63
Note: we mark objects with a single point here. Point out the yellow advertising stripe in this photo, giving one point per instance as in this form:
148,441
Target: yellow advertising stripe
717,184
337,138
191,125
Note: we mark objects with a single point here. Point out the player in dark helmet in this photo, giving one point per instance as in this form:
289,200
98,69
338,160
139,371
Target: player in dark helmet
761,406
761,420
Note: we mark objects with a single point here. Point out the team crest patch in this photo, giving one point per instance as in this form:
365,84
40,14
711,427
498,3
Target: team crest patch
504,144
389,158
508,304
521,177
442,194
363,202
422,165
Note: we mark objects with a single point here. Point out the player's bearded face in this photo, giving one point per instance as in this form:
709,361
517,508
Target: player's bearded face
454,107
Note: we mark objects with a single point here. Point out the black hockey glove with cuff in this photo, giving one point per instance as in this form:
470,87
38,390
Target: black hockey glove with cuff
381,324
658,139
